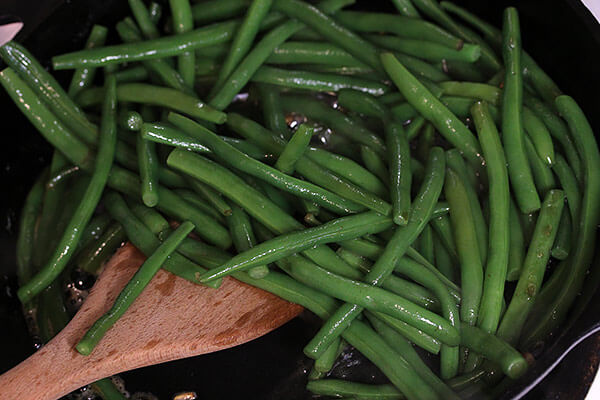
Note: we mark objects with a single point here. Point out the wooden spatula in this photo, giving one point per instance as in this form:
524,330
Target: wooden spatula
172,319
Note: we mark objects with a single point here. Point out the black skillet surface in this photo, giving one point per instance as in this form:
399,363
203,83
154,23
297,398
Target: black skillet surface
561,35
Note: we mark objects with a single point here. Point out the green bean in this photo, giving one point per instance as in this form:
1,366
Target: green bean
559,130
564,238
155,10
243,238
315,81
371,297
433,10
167,97
519,168
149,49
183,22
325,363
214,10
108,390
542,175
143,19
148,162
480,91
534,266
465,234
406,8
331,30
567,180
133,74
167,135
294,149
243,39
161,68
211,196
339,388
200,203
586,228
334,119
130,120
403,112
400,175
404,347
539,135
133,289
83,77
395,248
429,51
516,249
248,66
27,229
362,103
374,163
410,28
463,71
82,215
414,127
443,228
312,53
272,113
495,349
490,32
43,84
499,201
432,109
300,188
284,245
97,252
422,69
443,261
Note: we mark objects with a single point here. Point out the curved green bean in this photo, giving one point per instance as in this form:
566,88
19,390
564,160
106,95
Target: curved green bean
294,149
539,135
83,77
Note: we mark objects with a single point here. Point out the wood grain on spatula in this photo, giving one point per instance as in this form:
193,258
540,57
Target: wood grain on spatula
171,319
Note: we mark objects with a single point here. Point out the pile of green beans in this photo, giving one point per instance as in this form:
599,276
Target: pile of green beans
388,172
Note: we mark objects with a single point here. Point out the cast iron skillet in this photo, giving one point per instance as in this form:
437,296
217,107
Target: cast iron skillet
561,35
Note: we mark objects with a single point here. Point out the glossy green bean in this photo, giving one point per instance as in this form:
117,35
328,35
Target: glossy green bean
164,134
27,229
133,289
243,238
411,28
516,250
372,161
400,173
534,267
285,245
421,210
465,234
149,49
519,167
130,120
480,91
347,169
539,135
282,181
211,196
334,119
542,174
294,149
148,162
183,22
272,113
214,10
244,37
325,363
564,238
559,131
91,258
331,30
261,51
144,20
83,213
568,182
83,77
428,51
312,53
315,81
341,388
432,109
499,201
586,226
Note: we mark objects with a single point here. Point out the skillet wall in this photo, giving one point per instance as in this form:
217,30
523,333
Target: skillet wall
560,34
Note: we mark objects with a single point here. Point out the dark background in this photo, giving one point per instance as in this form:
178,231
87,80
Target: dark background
560,34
